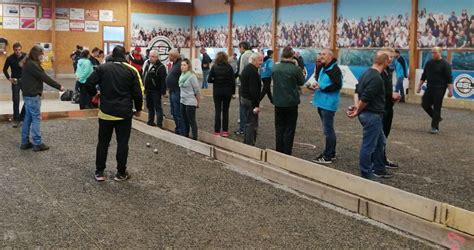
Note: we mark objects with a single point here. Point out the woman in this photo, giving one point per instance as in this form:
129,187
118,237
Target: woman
222,77
33,77
189,88
83,71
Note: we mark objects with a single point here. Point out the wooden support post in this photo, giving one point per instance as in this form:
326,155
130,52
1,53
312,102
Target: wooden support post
53,35
413,49
276,55
230,11
332,41
129,24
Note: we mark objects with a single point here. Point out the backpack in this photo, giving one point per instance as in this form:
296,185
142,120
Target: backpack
67,95
75,97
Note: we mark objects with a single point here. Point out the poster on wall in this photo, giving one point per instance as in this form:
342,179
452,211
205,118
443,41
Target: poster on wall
62,13
299,27
76,25
106,15
92,26
252,26
11,23
145,27
62,25
28,23
11,10
76,14
445,23
47,13
211,31
28,11
92,15
43,24
373,24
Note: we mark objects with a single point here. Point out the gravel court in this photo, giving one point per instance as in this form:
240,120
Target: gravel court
175,198
439,166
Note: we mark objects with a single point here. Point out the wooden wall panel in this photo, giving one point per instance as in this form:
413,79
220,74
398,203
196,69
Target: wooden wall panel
162,8
206,7
240,5
298,2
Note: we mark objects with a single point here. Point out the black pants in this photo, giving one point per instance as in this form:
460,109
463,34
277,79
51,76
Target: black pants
387,127
267,88
432,102
122,131
251,123
285,127
153,103
221,105
84,97
17,115
189,118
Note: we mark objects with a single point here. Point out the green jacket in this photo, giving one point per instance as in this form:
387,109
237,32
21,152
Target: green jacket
287,77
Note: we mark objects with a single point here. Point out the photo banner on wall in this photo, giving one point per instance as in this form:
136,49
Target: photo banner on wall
445,23
211,31
254,27
373,24
299,27
145,27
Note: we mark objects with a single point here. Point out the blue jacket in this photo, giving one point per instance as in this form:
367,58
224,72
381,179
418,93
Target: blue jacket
266,70
400,67
330,84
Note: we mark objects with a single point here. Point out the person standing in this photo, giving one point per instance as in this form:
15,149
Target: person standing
189,86
222,77
250,95
75,56
438,75
326,100
136,59
370,108
154,75
95,59
172,84
121,91
205,66
83,71
32,88
13,62
401,73
245,53
287,78
266,74
47,61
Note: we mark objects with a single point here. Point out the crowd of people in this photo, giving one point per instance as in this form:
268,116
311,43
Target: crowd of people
179,37
312,34
387,31
453,31
258,36
211,37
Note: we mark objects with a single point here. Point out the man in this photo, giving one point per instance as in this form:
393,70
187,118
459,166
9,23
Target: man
401,73
370,107
136,59
266,75
287,77
205,66
13,62
154,76
121,91
326,100
95,57
172,85
437,73
47,64
250,91
75,56
245,53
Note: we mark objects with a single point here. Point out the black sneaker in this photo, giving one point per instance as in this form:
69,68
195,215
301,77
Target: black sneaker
321,160
41,147
121,177
151,124
99,176
391,165
16,124
26,146
383,174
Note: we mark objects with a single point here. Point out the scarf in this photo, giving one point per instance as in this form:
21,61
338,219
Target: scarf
183,78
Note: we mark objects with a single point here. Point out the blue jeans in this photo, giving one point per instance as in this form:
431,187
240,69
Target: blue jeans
205,74
399,86
31,123
242,115
327,118
373,144
175,106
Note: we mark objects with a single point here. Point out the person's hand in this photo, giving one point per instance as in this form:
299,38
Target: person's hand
13,80
352,111
256,110
418,90
137,113
197,106
62,89
396,96
450,93
315,86
234,96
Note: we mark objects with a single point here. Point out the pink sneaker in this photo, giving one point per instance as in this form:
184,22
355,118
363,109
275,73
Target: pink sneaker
216,134
225,134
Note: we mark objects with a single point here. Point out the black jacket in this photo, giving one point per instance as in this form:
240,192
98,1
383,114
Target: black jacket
371,90
33,77
120,88
154,76
251,85
222,75
387,75
206,61
13,62
173,76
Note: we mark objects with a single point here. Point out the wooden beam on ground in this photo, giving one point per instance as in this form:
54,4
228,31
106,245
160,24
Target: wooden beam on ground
410,203
164,135
231,145
458,218
85,113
